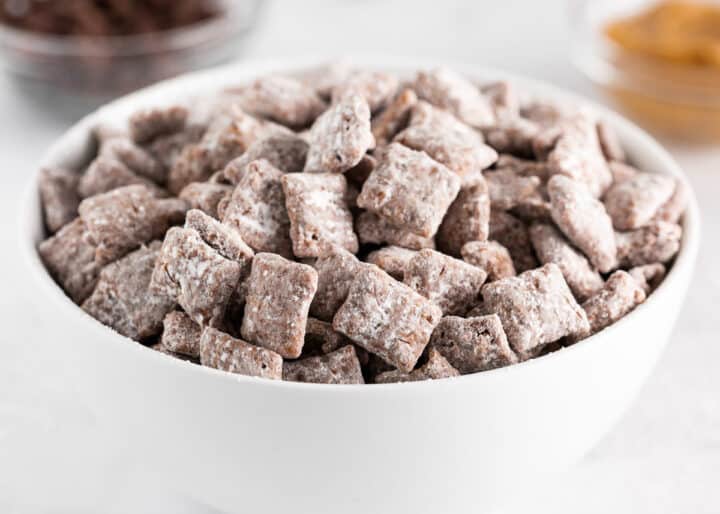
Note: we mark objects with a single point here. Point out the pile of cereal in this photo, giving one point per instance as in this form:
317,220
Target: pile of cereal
346,226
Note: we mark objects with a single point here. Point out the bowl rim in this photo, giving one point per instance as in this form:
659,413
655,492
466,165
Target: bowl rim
232,19
221,77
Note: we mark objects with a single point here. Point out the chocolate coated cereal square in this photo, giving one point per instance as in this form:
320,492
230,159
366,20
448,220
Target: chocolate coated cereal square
284,100
451,284
336,269
319,215
257,210
377,87
394,118
393,260
181,334
205,196
277,304
373,229
658,241
468,217
536,308
619,296
512,233
491,256
387,318
435,368
339,367
222,351
632,203
58,193
148,124
286,152
649,276
410,190
473,344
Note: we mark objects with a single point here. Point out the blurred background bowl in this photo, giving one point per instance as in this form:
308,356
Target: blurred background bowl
673,99
105,66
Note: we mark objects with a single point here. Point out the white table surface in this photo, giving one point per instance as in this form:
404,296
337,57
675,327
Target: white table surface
663,457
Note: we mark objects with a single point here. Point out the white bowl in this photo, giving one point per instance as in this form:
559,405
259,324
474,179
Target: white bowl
250,445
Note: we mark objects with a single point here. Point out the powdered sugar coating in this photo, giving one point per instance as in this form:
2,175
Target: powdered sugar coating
196,275
318,211
181,334
452,92
58,194
622,171
205,196
467,218
658,241
221,351
284,100
410,190
121,220
393,260
286,152
394,118
508,189
278,300
451,284
122,299
106,173
620,295
577,154
373,229
257,210
338,367
512,135
135,157
377,88
473,344
525,167
340,136
435,368
551,246
148,124
583,220
490,256
447,140
536,308
610,142
387,318
69,256
320,338
632,203
336,270
672,210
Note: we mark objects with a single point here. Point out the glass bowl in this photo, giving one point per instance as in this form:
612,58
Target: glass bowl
679,101
103,65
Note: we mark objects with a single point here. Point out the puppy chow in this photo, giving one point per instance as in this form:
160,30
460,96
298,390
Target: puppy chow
181,334
435,368
221,351
339,367
393,260
490,256
58,194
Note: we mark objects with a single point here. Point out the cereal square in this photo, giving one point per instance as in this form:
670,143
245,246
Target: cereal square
284,100
340,136
551,246
473,344
336,269
181,334
320,338
620,295
221,351
393,260
410,190
577,154
468,218
123,219
286,152
672,210
446,139
649,276
205,196
536,308
451,284
632,203
448,90
658,241
610,142
507,189
377,87
319,215
257,210
58,193
135,157
277,304
122,299
387,318
512,136
373,229
106,173
339,367
435,368
70,258
491,256
197,276
583,220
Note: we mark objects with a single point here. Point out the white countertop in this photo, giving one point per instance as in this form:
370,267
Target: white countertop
663,457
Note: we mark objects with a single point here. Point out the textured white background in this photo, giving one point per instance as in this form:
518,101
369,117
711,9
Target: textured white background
664,456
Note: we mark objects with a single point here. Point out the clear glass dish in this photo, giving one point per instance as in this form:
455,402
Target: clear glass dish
679,101
117,64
